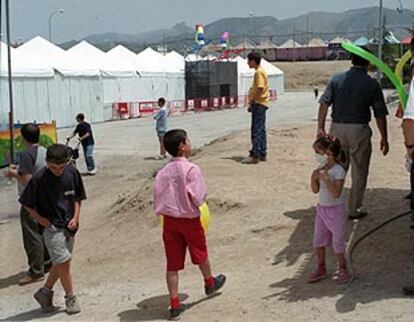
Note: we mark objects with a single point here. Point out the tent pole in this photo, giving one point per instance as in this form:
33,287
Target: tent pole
11,114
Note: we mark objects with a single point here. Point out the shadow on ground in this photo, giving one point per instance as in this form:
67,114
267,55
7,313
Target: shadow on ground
156,308
11,280
236,158
383,263
31,315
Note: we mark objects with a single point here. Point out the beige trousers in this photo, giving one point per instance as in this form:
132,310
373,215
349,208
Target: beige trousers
356,142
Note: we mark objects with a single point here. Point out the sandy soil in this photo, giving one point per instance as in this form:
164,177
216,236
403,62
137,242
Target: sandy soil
301,76
260,237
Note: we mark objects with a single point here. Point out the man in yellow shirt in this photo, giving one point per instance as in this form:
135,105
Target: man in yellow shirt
258,105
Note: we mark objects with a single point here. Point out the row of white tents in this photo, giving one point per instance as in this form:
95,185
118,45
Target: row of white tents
50,83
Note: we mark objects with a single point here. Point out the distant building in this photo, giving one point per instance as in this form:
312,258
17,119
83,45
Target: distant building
291,50
335,50
288,51
314,50
268,49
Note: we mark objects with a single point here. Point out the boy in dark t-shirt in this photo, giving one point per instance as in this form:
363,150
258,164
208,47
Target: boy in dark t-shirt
31,160
84,132
53,198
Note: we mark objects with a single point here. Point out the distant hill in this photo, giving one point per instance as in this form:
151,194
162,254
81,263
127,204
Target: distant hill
326,25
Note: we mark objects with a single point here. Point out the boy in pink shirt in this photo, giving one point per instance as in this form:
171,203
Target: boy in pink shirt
179,191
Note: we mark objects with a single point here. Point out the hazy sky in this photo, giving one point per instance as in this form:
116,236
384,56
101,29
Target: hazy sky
85,17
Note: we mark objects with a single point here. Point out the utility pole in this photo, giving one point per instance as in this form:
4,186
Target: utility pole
9,65
381,35
294,44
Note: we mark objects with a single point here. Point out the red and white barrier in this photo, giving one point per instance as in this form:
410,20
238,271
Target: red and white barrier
126,110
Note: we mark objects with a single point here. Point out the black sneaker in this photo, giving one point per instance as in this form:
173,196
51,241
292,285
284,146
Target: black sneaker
45,298
263,159
359,214
408,290
218,284
175,314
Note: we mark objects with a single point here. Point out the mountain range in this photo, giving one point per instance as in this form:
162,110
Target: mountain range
350,24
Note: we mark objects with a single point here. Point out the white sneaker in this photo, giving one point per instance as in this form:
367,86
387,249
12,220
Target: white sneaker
72,304
92,172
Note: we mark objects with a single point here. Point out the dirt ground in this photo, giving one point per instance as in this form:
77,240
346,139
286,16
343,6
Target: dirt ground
260,237
301,76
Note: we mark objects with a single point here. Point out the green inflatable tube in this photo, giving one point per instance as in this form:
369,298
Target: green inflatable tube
387,71
400,66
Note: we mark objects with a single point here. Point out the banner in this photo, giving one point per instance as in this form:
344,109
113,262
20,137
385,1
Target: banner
48,136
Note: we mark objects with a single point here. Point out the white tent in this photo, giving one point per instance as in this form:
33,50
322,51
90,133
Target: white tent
153,76
121,81
71,89
174,65
81,73
245,76
32,78
162,78
123,87
275,75
176,59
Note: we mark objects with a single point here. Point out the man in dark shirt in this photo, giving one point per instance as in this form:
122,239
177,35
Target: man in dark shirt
31,160
352,95
53,198
84,132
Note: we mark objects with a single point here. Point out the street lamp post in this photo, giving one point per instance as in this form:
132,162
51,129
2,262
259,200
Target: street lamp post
61,11
251,14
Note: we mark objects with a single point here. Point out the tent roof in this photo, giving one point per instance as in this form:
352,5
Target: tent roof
270,68
119,61
362,41
339,40
24,64
407,40
149,61
290,44
174,61
267,44
41,46
316,42
82,59
173,54
242,67
122,52
246,43
391,39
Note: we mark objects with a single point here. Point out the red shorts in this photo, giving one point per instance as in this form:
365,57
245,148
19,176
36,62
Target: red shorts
178,233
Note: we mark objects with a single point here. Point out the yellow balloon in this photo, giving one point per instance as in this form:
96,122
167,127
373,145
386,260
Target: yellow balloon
400,66
205,217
